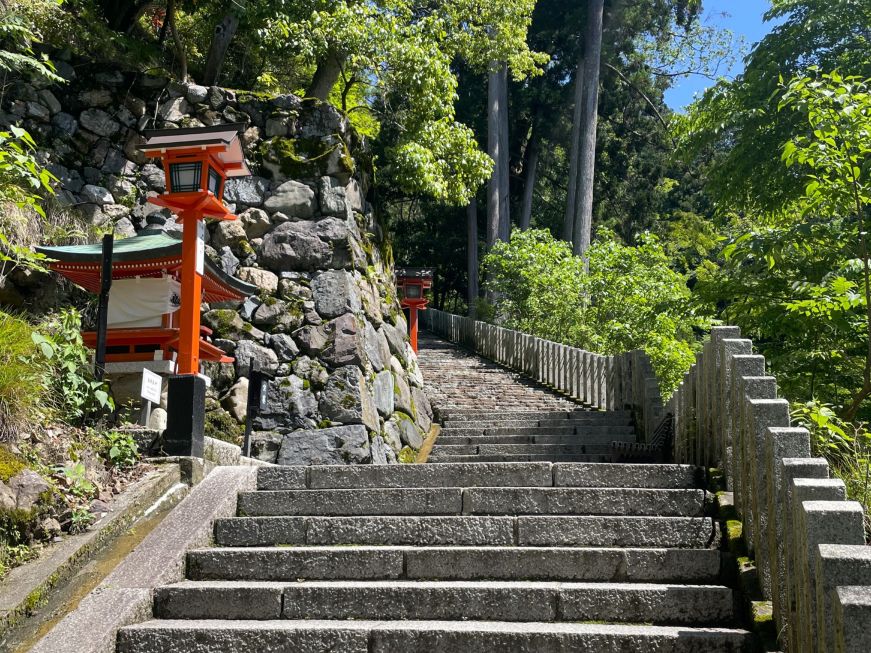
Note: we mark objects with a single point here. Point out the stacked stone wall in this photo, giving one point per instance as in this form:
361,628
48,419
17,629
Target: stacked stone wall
326,323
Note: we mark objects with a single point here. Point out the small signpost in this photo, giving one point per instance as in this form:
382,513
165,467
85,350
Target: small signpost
152,385
258,389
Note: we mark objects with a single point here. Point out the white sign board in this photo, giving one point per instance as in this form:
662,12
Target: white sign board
201,246
151,386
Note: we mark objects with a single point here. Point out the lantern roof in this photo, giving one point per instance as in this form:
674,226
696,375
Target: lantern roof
224,138
150,253
415,273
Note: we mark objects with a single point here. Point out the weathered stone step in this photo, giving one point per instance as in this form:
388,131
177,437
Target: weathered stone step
574,449
658,532
454,563
473,501
447,600
585,431
435,457
503,415
605,438
480,474
309,636
483,425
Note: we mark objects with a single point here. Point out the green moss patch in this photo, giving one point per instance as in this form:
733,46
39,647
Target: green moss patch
10,464
301,158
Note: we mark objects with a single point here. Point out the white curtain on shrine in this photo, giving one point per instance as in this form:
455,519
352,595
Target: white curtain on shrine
138,303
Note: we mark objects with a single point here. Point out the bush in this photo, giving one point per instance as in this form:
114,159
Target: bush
120,449
21,389
628,299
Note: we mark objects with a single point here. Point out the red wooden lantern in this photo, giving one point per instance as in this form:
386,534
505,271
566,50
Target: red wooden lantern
412,284
197,163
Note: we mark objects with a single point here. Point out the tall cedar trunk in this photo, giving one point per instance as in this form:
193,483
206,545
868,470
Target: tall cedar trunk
176,38
494,150
504,172
224,33
574,156
589,122
532,152
327,74
472,255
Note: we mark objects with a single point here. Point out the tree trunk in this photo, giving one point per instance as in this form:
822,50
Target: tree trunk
327,74
224,33
574,156
589,122
494,143
529,173
176,38
121,16
472,255
505,161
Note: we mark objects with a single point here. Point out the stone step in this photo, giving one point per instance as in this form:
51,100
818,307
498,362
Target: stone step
599,531
454,563
574,449
583,432
519,458
605,438
447,600
479,474
482,425
501,415
309,636
473,501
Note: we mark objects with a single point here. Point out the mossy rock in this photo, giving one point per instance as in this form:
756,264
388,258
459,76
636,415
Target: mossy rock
407,455
219,424
305,158
10,464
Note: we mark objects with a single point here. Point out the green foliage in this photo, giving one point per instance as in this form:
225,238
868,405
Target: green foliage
66,375
21,390
10,464
120,450
629,298
76,480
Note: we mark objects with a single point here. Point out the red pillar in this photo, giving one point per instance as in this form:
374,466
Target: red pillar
191,295
412,318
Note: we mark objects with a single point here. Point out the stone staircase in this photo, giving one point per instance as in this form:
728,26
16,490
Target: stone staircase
498,545
454,557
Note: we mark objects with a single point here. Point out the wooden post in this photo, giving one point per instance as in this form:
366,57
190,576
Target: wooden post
103,308
412,326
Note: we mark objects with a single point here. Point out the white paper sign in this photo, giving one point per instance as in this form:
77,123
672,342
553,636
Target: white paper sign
201,246
151,386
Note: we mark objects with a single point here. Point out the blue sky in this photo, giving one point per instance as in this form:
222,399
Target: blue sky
743,17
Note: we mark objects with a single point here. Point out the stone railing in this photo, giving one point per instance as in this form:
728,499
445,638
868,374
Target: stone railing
624,381
807,539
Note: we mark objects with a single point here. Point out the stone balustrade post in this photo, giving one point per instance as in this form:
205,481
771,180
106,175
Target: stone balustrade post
852,614
742,366
822,522
838,565
780,443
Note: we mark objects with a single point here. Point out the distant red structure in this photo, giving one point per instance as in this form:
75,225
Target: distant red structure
412,284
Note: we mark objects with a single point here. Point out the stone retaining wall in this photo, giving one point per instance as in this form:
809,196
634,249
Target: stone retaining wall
327,321
807,539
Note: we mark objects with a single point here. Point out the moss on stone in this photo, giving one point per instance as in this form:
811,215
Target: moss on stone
219,424
324,424
407,455
10,464
301,158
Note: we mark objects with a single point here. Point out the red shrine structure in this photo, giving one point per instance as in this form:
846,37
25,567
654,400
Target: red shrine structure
413,284
158,279
145,296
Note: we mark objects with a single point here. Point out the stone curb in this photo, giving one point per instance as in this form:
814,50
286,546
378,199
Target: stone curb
125,596
25,588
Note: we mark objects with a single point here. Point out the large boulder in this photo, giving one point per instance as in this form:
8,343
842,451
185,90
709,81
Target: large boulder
289,402
235,401
395,340
246,190
335,293
247,352
263,279
276,315
325,244
332,446
293,198
402,396
28,487
346,399
402,427
377,350
256,223
345,342
383,392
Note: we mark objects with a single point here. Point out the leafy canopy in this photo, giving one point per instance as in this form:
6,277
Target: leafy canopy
629,299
